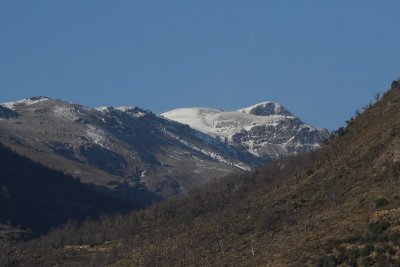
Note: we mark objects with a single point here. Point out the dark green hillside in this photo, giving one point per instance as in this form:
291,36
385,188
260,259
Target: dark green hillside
37,198
338,206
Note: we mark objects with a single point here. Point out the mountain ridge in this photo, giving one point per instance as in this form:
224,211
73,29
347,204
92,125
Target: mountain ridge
118,146
266,129
144,156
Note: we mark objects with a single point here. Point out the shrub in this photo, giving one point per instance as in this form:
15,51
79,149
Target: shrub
354,253
367,249
352,261
379,250
327,261
378,227
367,261
380,258
351,255
342,255
389,249
395,238
341,131
355,239
380,202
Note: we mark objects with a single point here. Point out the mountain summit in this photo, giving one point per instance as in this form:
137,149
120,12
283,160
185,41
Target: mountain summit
266,108
266,129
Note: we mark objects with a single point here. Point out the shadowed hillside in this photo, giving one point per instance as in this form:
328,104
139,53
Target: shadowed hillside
37,198
336,206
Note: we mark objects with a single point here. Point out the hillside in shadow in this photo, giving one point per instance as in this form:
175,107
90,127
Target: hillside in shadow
36,198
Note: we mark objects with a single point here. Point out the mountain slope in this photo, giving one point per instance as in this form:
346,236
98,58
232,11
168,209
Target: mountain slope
266,130
337,205
127,149
35,197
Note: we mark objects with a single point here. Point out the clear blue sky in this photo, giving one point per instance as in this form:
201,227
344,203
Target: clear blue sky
320,59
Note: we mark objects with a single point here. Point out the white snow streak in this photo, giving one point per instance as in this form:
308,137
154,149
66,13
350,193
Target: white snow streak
97,136
67,113
26,102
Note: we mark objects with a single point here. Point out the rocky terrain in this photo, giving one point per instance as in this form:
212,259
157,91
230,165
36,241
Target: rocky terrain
266,130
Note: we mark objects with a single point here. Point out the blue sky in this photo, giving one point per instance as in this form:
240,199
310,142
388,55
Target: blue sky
320,59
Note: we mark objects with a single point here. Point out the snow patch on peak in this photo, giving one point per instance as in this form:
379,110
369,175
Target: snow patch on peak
189,113
125,108
25,102
133,111
265,129
120,108
101,109
130,110
218,123
266,108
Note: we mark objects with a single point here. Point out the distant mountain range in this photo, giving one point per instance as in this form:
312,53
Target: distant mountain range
132,150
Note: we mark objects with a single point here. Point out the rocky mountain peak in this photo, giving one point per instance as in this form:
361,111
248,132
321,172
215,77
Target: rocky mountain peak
266,108
266,129
130,110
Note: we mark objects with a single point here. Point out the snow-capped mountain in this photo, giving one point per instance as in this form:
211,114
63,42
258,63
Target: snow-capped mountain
266,129
136,152
125,148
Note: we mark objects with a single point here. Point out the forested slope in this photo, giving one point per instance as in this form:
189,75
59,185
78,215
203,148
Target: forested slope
37,198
